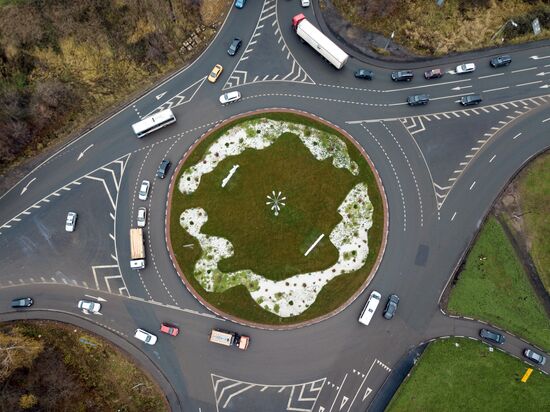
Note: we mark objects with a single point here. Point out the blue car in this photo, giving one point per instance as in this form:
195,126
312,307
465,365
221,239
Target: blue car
240,3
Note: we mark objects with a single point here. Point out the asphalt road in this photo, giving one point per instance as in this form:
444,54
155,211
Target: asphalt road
442,166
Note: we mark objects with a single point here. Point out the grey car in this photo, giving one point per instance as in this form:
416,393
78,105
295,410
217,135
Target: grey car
418,100
391,306
534,356
21,303
234,46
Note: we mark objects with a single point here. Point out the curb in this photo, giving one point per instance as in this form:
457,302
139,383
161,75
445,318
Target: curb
236,319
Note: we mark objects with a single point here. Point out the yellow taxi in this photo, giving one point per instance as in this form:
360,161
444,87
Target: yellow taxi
216,71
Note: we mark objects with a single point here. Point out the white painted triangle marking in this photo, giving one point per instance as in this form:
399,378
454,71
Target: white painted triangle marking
367,393
158,96
344,401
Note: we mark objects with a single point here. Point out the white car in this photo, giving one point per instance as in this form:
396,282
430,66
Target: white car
305,3
144,190
70,223
142,217
230,97
465,68
145,336
88,306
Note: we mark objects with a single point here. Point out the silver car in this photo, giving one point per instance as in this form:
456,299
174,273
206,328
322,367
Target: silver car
144,190
142,217
230,97
87,306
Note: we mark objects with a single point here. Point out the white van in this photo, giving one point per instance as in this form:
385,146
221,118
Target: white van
370,308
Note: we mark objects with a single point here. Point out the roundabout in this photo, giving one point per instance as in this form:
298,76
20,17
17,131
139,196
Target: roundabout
276,219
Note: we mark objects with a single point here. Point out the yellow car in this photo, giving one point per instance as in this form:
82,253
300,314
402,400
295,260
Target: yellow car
216,71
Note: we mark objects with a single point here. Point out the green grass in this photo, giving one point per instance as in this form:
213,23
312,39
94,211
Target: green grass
470,378
274,246
534,189
493,286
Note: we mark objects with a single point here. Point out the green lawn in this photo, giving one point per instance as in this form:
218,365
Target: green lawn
534,188
274,246
470,378
493,286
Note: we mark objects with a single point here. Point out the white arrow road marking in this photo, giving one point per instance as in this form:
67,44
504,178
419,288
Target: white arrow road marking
84,151
546,86
96,298
367,393
344,401
543,73
158,96
539,58
27,185
460,88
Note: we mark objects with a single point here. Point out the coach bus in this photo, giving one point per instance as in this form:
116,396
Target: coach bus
154,122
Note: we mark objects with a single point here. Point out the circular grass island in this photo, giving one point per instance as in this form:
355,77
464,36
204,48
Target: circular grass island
276,220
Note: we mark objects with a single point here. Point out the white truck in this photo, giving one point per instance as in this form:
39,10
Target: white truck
324,46
137,249
226,338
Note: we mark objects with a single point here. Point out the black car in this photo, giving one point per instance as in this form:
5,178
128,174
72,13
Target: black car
21,303
163,168
402,76
364,74
500,61
418,99
234,46
391,306
470,100
492,336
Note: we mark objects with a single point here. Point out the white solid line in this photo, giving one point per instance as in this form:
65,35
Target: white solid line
524,70
527,84
545,120
452,218
494,90
314,244
516,136
491,75
492,158
473,184
428,85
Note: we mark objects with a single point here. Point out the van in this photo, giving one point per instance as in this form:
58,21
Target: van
370,308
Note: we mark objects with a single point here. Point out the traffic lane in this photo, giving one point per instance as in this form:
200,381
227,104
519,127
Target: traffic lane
37,246
444,326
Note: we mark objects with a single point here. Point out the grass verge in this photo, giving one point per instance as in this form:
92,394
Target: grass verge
534,189
493,286
468,377
237,301
457,26
56,367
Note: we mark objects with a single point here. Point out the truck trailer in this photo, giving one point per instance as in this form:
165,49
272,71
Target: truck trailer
137,249
321,43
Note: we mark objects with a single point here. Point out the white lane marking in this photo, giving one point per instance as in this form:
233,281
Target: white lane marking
527,84
516,136
524,70
491,75
494,90
545,120
492,158
428,85
453,218
472,186
338,393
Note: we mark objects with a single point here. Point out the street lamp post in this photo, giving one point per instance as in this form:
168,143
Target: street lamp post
503,26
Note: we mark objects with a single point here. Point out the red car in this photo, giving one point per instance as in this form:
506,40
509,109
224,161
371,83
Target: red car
169,329
433,74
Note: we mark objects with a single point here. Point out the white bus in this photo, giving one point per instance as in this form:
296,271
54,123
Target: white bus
154,122
370,308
